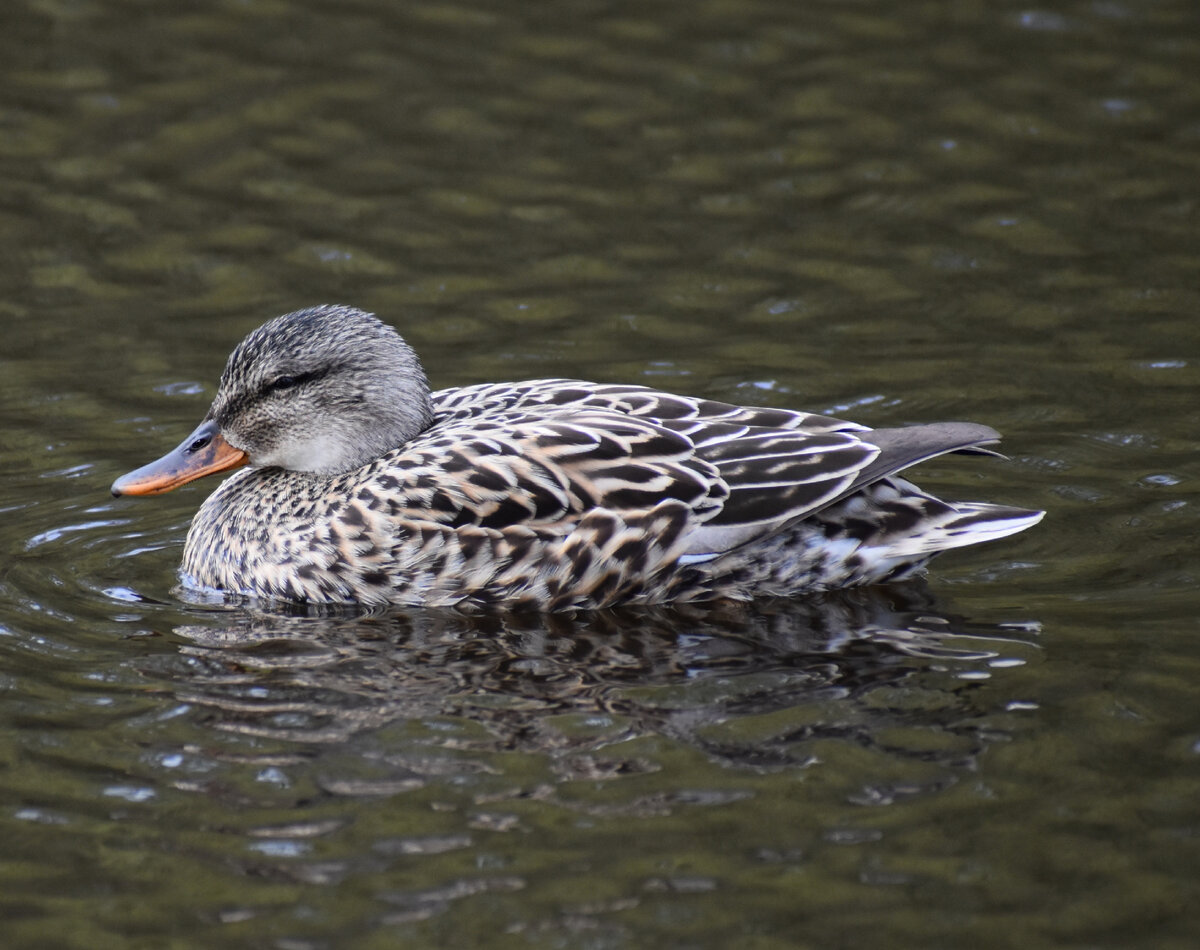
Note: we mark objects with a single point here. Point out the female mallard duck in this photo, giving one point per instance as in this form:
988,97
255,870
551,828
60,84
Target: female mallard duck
364,487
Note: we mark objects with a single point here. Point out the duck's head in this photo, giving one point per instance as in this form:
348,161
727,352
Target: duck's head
323,390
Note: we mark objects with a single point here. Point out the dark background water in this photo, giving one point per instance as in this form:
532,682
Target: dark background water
898,213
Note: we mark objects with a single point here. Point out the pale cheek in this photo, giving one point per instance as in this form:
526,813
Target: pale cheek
319,454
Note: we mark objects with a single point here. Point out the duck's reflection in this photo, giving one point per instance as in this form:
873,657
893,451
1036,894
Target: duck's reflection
690,675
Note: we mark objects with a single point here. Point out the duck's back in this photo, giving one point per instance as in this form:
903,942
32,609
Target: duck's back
551,395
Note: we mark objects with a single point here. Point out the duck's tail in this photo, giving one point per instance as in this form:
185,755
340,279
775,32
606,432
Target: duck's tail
963,523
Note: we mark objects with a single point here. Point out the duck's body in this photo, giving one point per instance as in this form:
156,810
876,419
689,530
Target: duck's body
550,494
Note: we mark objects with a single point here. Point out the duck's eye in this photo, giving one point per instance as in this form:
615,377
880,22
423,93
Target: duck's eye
282,382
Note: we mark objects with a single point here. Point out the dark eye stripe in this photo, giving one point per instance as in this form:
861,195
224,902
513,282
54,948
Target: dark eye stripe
281,383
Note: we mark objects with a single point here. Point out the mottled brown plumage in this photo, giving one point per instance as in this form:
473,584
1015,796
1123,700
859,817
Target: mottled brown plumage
550,494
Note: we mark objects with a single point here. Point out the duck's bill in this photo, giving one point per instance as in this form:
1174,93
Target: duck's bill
204,452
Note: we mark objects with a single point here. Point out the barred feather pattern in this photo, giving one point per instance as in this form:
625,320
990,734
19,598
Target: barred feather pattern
557,494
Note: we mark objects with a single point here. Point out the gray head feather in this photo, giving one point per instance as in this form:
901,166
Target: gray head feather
323,390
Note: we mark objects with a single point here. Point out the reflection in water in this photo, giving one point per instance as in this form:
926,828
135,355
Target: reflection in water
686,674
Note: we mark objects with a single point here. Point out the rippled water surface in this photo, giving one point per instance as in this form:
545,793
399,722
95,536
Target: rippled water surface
895,212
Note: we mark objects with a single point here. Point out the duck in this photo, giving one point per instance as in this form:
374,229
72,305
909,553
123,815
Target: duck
358,485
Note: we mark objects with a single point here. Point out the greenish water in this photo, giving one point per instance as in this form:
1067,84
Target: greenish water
898,213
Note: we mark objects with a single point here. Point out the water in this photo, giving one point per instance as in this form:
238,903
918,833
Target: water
894,213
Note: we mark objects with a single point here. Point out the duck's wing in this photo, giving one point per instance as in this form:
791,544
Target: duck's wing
539,469
544,453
